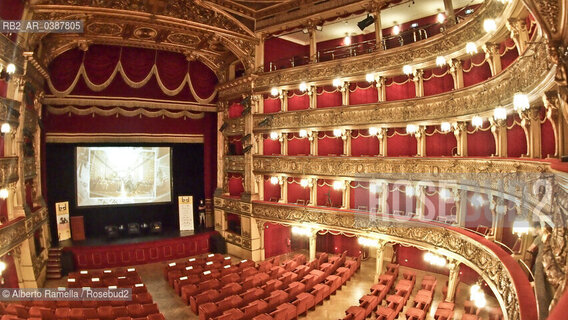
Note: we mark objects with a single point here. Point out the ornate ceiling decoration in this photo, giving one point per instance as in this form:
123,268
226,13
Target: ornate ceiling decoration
194,28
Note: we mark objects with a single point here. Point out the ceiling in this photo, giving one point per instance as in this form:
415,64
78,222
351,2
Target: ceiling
406,11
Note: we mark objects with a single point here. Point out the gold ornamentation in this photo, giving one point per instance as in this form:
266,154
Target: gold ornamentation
123,112
13,234
234,163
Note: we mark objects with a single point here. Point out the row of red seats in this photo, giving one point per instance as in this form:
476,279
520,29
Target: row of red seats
119,277
396,302
369,302
108,312
195,265
423,299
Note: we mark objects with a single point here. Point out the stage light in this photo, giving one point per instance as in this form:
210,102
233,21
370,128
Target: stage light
173,264
11,68
446,127
4,193
337,133
139,285
373,131
396,30
440,61
369,20
274,91
500,113
304,183
521,102
274,135
489,25
337,185
477,121
303,133
274,180
441,17
370,77
470,48
303,87
414,25
407,70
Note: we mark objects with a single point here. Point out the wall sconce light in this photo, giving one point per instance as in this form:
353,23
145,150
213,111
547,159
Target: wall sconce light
274,180
274,135
477,296
5,128
347,40
303,87
489,25
336,82
440,61
446,127
407,69
2,269
4,193
337,133
441,17
470,48
301,231
375,188
370,77
7,73
373,131
367,242
303,133
274,91
337,185
521,228
435,259
500,113
521,102
396,29
411,128
304,183
477,121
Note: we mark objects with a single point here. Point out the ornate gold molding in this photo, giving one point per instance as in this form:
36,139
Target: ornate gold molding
13,234
29,168
527,74
8,170
233,206
235,126
234,163
9,111
87,101
235,89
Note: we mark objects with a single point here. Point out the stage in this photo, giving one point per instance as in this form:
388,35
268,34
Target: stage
98,253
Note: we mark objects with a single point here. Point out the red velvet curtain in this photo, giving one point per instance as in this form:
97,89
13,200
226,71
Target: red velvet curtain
10,275
271,105
236,184
329,145
235,110
326,192
477,214
298,146
271,147
203,79
481,143
100,62
439,144
398,201
363,146
280,51
516,139
337,244
400,88
298,100
360,196
3,89
400,145
271,191
473,74
508,52
11,10
277,239
328,96
29,194
362,93
547,139
297,192
64,68
137,63
435,83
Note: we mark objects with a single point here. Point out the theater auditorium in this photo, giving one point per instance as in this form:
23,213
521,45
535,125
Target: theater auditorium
284,159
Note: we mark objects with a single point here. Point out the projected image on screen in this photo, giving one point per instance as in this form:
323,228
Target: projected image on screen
123,175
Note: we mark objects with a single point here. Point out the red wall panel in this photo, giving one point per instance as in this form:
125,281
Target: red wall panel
516,139
271,105
400,145
548,140
298,100
362,93
361,145
400,88
297,145
271,191
271,147
328,97
329,145
481,143
297,192
276,239
473,74
235,184
435,81
439,144
326,192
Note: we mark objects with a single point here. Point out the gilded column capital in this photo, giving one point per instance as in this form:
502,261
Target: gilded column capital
516,26
490,49
417,75
455,65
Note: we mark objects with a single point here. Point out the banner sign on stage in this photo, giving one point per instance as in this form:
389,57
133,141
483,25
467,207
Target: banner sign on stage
62,214
185,212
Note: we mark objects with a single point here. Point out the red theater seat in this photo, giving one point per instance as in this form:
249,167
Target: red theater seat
105,313
254,308
369,302
262,316
415,314
135,310
295,288
230,278
231,314
206,296
357,313
251,295
334,282
272,285
304,302
62,313
444,314
320,292
156,316
385,313
285,311
276,298
41,313
16,309
120,311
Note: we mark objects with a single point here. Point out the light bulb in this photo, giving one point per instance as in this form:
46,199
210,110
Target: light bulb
336,82
410,191
274,91
304,183
274,135
446,127
274,180
440,61
370,77
5,128
489,25
373,131
500,113
347,40
521,102
396,30
337,185
11,68
337,133
303,87
477,121
303,133
441,17
411,129
407,69
4,193
470,48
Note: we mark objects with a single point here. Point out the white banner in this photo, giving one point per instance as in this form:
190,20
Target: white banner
185,212
62,214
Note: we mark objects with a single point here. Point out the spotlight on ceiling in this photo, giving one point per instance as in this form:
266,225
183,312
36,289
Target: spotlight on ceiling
369,20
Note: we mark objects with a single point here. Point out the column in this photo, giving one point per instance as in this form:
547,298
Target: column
460,132
493,57
456,70
313,192
380,257
384,198
345,94
346,198
259,143
499,131
449,10
222,148
420,142
283,143
346,143
259,178
530,121
418,78
248,175
313,42
454,267
461,207
312,92
382,136
381,89
284,101
498,210
259,52
313,137
312,240
283,181
519,33
554,114
420,201
375,8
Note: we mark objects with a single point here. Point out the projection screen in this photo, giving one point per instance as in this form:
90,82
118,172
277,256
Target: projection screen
123,175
